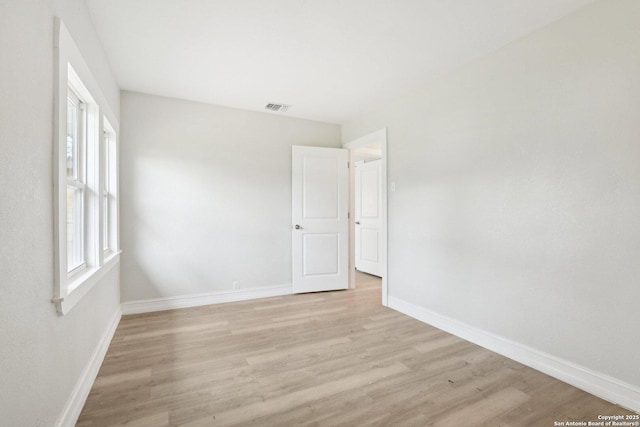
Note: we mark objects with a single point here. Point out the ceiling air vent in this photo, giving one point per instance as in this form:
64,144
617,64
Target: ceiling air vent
277,107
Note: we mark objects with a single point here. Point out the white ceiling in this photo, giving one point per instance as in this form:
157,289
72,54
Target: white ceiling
331,59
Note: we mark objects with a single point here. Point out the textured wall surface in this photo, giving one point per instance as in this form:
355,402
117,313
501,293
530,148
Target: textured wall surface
518,190
42,354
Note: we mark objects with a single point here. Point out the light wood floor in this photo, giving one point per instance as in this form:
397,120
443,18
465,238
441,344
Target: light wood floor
325,359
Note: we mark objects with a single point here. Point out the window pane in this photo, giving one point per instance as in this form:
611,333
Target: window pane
72,137
75,235
105,199
106,163
105,222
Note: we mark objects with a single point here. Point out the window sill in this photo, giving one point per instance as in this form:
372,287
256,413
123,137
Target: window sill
80,285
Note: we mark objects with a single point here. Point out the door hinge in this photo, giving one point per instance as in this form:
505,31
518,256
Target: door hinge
348,166
348,215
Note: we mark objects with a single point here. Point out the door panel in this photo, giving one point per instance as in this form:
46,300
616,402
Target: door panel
367,216
319,187
320,254
369,244
319,210
370,197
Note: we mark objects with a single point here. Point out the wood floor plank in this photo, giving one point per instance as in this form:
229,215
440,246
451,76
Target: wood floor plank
323,359
478,413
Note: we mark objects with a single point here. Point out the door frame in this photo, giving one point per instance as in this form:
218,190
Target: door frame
377,137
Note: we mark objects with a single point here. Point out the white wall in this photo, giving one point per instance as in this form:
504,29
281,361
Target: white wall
41,354
517,207
206,196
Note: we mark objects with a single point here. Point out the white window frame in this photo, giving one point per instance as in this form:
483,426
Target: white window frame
110,175
72,73
106,137
78,182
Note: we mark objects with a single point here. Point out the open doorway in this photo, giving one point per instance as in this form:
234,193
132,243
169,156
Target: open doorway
368,211
367,281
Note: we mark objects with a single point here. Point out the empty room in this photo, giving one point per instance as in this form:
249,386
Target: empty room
323,213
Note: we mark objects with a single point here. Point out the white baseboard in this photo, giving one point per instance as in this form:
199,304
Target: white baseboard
185,301
80,392
596,383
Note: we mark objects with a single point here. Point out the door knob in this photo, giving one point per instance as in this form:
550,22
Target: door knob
297,227
357,222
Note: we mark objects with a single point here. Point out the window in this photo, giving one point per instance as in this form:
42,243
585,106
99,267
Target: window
86,178
75,172
105,195
109,190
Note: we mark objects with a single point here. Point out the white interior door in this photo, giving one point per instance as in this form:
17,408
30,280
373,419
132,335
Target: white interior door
367,216
320,226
